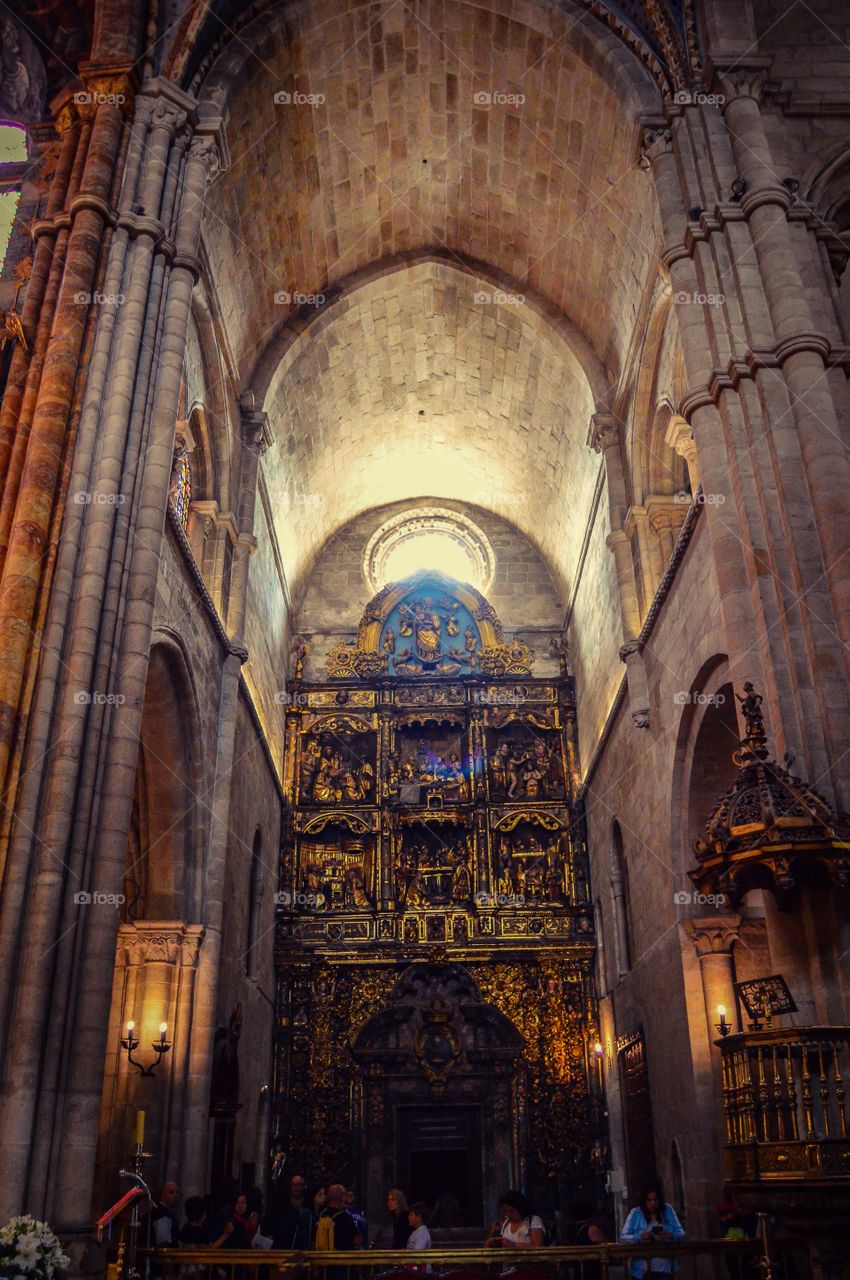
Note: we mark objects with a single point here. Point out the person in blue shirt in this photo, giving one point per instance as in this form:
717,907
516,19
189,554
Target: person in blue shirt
651,1220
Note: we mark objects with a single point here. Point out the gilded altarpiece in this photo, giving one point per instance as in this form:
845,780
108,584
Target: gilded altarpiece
435,942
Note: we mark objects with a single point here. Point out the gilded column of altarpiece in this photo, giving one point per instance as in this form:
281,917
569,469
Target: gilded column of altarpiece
435,929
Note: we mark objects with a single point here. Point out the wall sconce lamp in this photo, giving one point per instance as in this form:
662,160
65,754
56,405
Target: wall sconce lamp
722,1026
598,1054
130,1042
739,188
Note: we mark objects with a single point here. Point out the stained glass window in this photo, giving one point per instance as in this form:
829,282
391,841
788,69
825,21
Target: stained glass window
13,149
181,493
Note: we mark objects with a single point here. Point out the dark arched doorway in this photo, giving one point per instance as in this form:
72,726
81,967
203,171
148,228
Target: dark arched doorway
440,1075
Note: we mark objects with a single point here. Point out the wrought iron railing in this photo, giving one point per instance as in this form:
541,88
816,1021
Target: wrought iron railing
785,1103
737,1258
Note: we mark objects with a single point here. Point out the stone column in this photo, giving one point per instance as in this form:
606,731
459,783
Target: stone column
108,836
742,437
112,606
800,349
27,506
666,516
713,938
255,437
637,526
604,438
680,438
25,368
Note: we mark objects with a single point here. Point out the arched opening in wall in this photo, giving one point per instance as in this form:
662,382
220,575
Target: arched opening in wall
158,872
255,902
157,947
623,934
712,770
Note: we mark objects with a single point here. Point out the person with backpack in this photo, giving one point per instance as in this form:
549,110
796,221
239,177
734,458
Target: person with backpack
336,1228
518,1226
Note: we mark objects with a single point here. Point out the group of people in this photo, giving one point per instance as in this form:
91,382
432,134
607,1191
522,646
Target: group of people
320,1217
329,1218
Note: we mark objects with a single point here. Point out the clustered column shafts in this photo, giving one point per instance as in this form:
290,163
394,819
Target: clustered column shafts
822,439
109,837
745,438
65,739
37,453
109,555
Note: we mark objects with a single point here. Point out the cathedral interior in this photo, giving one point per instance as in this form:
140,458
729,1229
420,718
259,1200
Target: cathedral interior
425,610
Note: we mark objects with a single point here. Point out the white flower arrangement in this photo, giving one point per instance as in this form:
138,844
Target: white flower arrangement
29,1248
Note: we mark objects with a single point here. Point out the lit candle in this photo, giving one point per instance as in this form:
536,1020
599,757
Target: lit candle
163,1028
140,1128
721,1012
130,1026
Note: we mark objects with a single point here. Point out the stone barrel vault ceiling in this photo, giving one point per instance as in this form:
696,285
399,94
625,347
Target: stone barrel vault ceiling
398,153
405,386
413,386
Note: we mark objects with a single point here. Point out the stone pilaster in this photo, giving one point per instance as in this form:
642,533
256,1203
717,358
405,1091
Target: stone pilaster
714,939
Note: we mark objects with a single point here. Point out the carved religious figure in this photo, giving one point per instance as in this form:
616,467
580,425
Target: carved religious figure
499,769
461,890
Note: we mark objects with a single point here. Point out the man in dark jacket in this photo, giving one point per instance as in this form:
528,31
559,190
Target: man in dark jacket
291,1225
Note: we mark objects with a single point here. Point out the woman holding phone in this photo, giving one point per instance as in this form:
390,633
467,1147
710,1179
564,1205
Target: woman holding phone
652,1220
518,1227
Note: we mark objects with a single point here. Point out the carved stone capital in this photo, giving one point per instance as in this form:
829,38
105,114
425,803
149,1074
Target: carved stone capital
656,140
207,509
204,149
713,935
667,512
604,432
740,79
629,649
680,438
161,105
159,942
256,432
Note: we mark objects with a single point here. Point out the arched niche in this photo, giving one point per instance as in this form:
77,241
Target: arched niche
707,736
159,940
160,873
